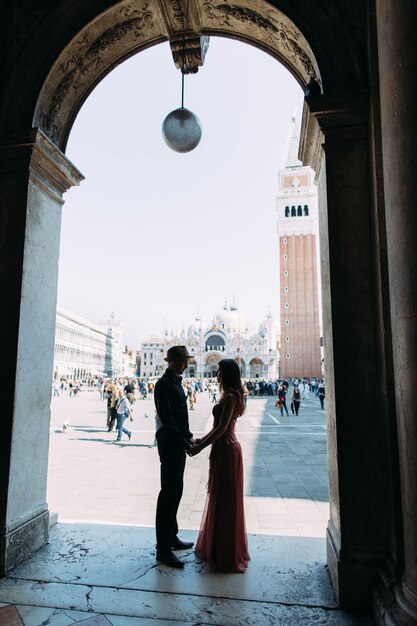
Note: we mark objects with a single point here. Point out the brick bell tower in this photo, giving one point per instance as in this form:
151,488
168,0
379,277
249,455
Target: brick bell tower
297,227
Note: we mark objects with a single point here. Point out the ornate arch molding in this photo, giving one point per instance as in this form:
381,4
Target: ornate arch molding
129,26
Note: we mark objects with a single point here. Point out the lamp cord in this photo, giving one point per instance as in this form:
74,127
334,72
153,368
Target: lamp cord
183,54
182,89
182,73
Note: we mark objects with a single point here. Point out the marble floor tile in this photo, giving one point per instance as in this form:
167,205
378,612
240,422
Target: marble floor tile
311,529
9,616
97,620
272,522
84,557
38,615
123,620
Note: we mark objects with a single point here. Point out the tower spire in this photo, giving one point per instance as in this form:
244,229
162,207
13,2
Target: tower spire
291,151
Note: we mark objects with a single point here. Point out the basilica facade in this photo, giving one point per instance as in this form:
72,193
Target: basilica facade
226,336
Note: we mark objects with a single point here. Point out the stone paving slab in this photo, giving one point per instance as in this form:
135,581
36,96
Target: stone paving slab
124,557
108,571
195,612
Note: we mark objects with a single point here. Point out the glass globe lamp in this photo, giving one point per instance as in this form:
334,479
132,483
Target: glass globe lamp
181,130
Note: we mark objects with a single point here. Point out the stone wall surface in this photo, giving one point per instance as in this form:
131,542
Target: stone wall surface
398,122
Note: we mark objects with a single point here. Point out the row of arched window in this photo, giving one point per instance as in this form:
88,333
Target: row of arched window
88,338
74,353
298,211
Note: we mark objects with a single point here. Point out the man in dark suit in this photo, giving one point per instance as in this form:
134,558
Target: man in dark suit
174,439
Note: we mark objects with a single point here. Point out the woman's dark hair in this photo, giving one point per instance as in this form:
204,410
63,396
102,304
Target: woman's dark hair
230,376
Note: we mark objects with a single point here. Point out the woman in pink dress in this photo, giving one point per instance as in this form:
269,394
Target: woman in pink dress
222,538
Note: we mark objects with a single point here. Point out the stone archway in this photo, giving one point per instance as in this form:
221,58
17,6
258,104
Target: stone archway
211,365
242,365
45,92
191,370
256,368
122,31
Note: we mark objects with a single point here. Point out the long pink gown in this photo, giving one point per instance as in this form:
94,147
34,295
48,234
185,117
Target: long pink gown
222,540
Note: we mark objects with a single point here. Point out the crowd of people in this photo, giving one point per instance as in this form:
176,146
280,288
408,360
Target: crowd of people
143,388
120,394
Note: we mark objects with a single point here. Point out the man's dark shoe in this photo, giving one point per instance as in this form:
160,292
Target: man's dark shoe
169,559
177,544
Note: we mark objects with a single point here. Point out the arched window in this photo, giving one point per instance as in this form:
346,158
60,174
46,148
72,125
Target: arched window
287,211
305,209
215,342
299,211
293,211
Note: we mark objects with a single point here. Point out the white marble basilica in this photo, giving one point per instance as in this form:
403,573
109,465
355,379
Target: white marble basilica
226,336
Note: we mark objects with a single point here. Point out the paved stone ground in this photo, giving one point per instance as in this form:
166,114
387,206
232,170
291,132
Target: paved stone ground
284,457
102,572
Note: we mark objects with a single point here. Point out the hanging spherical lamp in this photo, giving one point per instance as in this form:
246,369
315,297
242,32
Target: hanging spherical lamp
181,130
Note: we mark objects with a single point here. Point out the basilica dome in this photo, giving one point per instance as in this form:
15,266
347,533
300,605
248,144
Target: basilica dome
230,320
194,328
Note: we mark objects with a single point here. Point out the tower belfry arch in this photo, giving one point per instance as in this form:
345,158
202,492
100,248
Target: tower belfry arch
56,54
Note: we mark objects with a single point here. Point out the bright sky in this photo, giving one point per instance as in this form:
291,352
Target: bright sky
154,235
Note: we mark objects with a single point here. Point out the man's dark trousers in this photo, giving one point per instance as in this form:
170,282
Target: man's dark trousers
172,459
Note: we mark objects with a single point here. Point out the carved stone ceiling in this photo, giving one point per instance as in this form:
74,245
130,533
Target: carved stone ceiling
129,27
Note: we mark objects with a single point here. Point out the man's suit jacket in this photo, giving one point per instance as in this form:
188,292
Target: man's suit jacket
171,406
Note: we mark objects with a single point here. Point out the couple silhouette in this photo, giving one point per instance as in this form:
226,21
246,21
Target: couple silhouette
222,540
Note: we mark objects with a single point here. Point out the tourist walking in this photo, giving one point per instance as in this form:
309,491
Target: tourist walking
222,540
245,395
192,396
321,394
296,399
214,392
174,439
282,393
123,410
111,406
130,392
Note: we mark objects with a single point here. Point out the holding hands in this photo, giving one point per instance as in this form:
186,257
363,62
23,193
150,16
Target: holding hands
195,448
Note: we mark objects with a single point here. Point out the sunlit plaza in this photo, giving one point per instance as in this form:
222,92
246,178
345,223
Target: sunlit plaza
93,481
100,562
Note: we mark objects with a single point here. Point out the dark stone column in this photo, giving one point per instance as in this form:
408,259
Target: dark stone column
396,24
33,176
360,506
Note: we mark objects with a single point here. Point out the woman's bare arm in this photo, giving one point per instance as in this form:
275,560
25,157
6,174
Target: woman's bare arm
220,429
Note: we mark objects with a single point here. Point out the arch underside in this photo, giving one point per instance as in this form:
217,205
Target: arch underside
129,27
